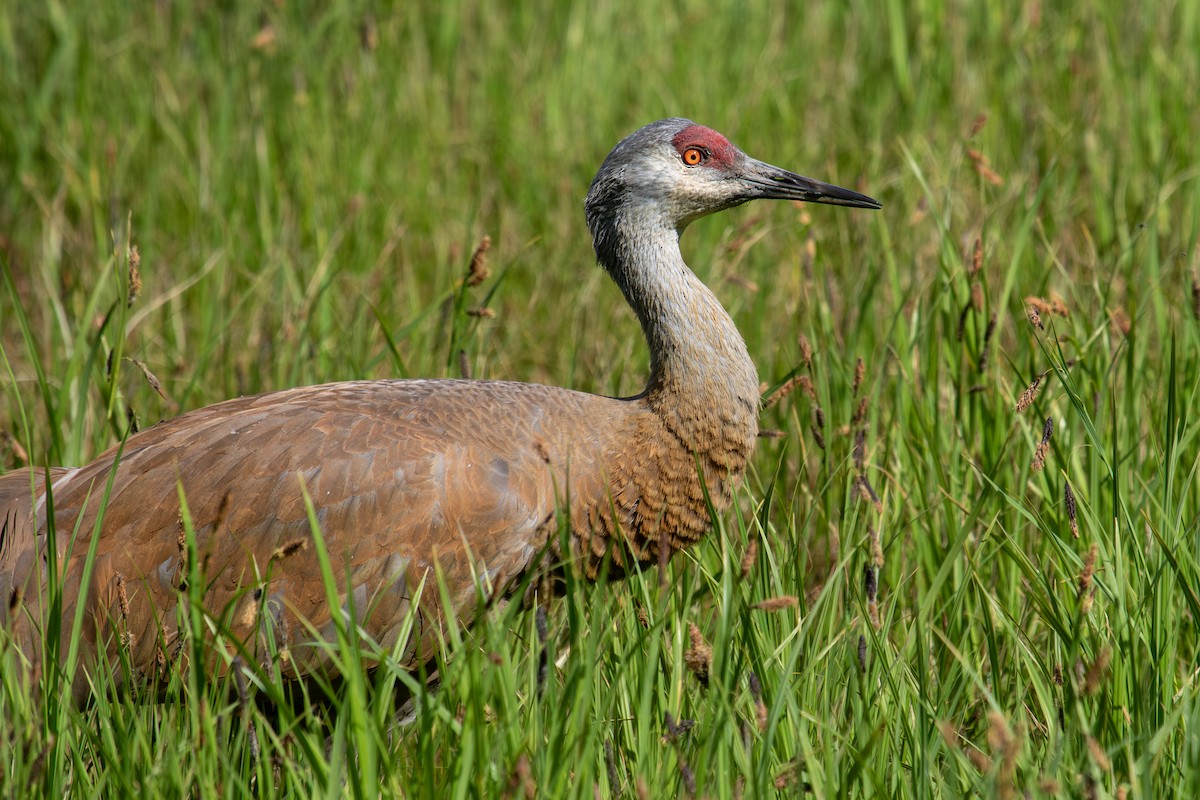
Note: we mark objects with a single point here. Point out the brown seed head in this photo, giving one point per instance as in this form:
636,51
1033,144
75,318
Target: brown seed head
977,297
818,437
977,125
806,351
750,557
1039,456
1035,317
867,491
289,549
860,370
135,276
1096,672
698,657
1121,324
479,272
1069,501
1089,570
483,312
1030,394
1196,295
777,603
976,258
1098,755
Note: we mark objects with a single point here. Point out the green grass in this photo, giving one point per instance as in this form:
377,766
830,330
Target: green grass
305,184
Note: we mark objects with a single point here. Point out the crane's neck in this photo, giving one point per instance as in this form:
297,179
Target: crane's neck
702,381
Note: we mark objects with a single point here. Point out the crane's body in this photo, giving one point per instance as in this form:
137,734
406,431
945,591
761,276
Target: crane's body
411,478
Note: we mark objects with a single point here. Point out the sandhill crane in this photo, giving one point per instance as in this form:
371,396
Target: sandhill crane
405,475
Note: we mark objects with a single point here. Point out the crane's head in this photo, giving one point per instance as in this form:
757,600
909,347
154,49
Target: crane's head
674,171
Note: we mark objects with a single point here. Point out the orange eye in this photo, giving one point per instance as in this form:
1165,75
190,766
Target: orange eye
693,156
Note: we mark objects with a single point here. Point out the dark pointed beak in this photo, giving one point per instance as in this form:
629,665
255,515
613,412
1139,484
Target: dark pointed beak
767,182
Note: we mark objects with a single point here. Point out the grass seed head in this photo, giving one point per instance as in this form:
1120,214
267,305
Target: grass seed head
862,653
483,312
289,549
1121,324
802,381
860,370
1039,456
977,297
806,350
1097,670
478,272
135,277
1069,501
1196,295
976,258
698,657
1030,394
1098,755
860,448
867,492
818,437
977,125
778,603
1089,570
1035,318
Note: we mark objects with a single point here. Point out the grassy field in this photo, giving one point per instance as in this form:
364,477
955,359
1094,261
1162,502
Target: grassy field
966,563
